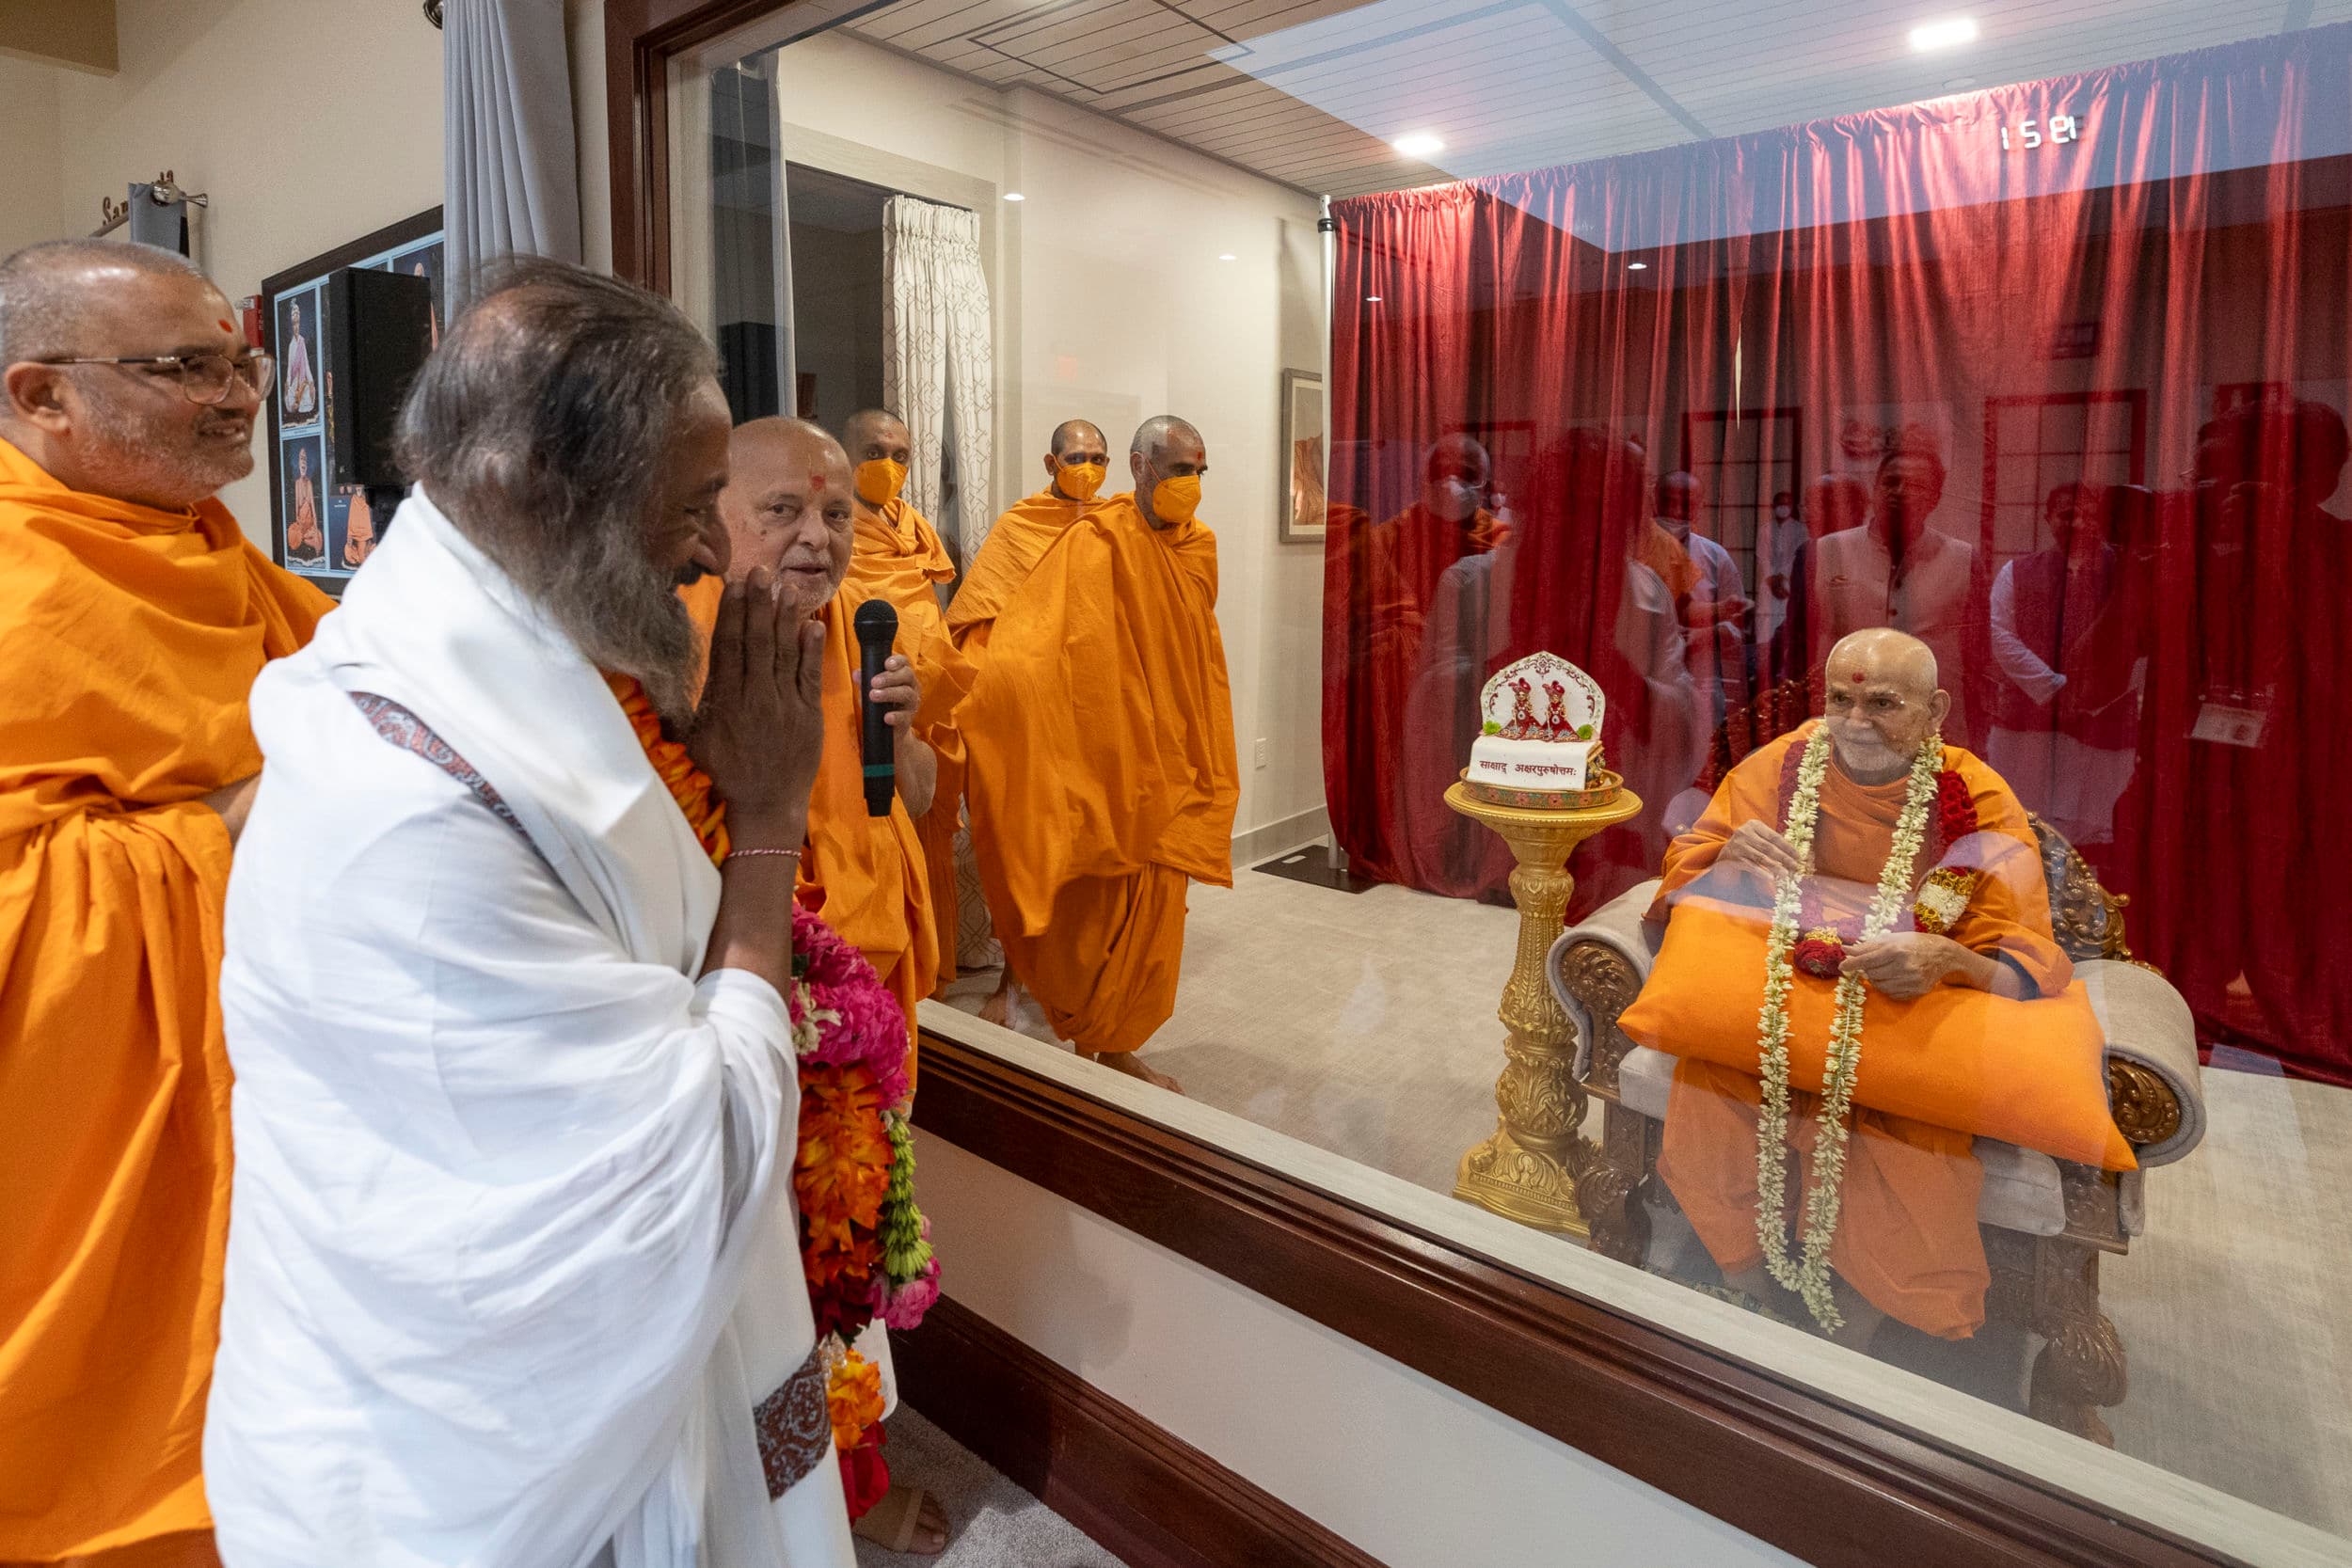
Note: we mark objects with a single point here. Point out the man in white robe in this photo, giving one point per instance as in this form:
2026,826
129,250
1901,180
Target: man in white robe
512,1274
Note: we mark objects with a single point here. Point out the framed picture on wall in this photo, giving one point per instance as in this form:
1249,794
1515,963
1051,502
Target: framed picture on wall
319,530
1301,501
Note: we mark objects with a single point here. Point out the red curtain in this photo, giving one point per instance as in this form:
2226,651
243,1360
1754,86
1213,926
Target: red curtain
2052,375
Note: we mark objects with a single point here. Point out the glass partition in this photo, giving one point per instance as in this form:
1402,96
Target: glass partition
1629,440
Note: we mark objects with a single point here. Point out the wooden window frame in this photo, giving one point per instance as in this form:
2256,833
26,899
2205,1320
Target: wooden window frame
1822,1479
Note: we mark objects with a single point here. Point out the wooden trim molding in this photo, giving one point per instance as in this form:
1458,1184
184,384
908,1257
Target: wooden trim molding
1151,1499
1833,1484
640,38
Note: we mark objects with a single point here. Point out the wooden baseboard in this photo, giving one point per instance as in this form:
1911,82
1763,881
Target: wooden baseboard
1151,1499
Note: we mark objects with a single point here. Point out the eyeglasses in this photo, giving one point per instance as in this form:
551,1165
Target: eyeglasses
203,377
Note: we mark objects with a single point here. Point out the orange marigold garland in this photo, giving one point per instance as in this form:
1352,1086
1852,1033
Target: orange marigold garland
690,786
864,1244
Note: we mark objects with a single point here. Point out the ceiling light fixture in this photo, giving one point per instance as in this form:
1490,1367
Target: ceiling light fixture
1015,196
1372,299
1947,34
1228,256
1637,267
1419,144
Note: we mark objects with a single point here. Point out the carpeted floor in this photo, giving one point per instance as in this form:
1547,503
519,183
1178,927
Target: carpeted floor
993,1523
1365,1025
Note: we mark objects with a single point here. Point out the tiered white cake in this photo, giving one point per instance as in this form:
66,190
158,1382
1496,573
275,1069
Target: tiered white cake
1540,734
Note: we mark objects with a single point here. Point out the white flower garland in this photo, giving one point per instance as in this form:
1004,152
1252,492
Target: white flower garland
1809,1276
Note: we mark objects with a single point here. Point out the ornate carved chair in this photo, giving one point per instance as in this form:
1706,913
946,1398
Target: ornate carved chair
2045,1222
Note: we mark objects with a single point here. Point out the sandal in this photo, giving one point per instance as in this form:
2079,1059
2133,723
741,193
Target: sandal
892,1522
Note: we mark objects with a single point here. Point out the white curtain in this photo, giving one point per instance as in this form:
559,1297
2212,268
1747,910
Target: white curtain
510,166
939,367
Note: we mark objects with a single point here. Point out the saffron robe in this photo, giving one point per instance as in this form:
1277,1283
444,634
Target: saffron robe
1102,770
864,875
129,640
1907,1238
1006,558
897,558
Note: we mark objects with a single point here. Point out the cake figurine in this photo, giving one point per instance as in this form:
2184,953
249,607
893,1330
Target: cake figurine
1539,741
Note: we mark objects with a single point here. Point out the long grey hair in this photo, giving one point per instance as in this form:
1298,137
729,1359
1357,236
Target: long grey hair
540,426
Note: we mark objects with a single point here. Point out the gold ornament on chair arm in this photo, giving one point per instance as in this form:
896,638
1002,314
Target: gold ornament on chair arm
2145,1108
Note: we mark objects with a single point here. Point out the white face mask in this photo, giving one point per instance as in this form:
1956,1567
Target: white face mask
1453,499
1781,513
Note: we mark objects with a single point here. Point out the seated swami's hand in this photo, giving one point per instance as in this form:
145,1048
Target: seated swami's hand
1905,965
1760,846
759,730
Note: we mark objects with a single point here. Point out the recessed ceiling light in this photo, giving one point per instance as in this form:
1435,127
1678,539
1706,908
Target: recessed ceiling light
1015,196
1637,267
1228,256
1419,144
1946,34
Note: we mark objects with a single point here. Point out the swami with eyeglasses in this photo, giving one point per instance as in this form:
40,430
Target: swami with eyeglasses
133,618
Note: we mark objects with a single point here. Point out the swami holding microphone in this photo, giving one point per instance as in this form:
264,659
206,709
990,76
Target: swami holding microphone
787,507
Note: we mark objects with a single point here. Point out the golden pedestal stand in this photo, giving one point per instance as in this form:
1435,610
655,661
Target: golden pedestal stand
1529,1169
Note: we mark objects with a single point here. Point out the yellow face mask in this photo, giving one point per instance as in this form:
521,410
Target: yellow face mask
1175,500
1079,480
879,480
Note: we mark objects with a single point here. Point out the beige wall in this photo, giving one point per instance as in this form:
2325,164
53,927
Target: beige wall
1113,306
31,208
309,123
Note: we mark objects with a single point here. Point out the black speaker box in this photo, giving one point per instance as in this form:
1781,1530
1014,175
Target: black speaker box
378,332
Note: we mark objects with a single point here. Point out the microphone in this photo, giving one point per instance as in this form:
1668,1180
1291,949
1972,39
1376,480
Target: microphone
877,627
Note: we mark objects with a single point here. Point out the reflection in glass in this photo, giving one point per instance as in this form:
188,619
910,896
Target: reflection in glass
1685,377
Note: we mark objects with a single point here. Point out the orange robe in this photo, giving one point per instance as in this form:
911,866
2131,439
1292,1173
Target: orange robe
864,875
1006,558
129,640
897,558
1102,763
1907,1238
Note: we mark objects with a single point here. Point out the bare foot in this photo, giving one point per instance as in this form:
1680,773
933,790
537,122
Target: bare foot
1132,1064
1863,1321
997,1010
926,1537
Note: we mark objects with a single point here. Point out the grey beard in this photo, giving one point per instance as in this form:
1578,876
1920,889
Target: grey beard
623,616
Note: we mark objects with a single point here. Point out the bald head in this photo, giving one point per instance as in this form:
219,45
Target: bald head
1078,436
1882,702
50,293
1076,459
1167,459
875,433
787,508
140,432
1155,436
1884,652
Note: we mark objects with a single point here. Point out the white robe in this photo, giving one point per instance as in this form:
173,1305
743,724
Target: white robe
505,1168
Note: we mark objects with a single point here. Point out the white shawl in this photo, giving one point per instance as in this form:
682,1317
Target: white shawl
505,1167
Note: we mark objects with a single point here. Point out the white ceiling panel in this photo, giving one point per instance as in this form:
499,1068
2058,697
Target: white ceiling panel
1311,92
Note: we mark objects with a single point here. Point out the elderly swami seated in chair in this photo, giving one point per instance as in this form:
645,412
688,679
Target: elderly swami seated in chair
1882,896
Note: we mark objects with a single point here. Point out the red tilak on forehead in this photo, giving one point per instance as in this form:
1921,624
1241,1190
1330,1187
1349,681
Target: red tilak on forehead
1857,677
817,482
225,326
